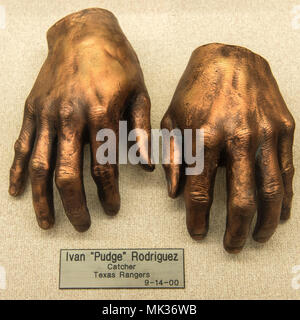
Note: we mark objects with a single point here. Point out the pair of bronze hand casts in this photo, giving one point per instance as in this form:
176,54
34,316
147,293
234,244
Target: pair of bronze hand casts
92,78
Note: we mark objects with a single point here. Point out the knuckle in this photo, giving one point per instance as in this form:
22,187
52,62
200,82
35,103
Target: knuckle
243,135
20,148
64,178
98,113
243,206
29,105
289,125
272,191
38,167
75,214
65,111
288,170
96,171
198,192
269,130
200,197
211,138
241,139
102,171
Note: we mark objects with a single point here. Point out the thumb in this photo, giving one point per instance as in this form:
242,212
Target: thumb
173,166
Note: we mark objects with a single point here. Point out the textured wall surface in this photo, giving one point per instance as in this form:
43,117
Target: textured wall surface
163,33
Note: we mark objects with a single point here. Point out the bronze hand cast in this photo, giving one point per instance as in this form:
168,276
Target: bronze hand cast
90,80
230,92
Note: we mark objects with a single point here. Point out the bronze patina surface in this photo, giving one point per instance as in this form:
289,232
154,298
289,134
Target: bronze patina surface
230,92
90,80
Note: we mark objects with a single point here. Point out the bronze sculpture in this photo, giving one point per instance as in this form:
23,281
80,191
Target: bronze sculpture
230,92
90,80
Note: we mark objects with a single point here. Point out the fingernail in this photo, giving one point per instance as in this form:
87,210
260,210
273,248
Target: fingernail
111,209
45,224
12,190
233,250
82,228
199,236
170,188
262,238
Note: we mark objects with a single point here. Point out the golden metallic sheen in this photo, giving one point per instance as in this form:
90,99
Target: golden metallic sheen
90,80
230,92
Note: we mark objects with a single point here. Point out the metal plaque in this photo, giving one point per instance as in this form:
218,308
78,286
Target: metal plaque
121,268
